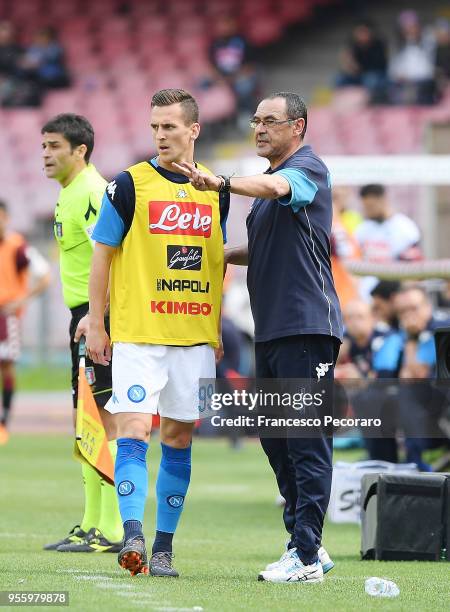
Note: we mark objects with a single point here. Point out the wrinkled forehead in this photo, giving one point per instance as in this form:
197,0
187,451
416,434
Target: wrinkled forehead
52,137
275,108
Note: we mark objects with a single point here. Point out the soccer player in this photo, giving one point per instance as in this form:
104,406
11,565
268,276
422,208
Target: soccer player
163,242
67,144
17,261
384,235
298,329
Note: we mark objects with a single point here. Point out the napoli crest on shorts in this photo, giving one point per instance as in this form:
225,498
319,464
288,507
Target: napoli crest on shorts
176,501
136,394
125,488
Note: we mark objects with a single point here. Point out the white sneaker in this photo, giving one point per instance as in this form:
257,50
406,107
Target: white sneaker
293,570
284,557
324,558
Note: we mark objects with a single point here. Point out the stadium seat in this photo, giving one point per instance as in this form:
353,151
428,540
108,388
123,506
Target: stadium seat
263,30
216,103
348,98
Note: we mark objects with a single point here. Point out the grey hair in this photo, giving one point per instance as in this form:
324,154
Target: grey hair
295,106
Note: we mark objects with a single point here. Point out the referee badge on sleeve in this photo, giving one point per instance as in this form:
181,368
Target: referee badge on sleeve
58,229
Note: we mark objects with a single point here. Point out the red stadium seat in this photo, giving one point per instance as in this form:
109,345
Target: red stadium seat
64,101
264,29
216,103
292,12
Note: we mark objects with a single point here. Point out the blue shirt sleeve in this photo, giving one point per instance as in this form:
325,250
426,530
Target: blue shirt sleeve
109,228
387,357
303,189
426,352
117,211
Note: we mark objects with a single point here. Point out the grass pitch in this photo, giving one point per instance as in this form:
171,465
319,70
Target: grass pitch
229,530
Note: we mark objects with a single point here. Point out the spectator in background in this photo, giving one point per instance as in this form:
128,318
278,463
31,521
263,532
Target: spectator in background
17,260
411,70
383,306
364,61
349,218
10,53
361,339
44,61
14,90
232,58
442,54
343,247
409,354
384,236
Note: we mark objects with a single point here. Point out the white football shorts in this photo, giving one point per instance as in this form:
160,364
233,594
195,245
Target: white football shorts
153,378
10,343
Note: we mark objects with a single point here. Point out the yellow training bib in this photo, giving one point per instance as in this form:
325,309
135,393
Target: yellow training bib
166,277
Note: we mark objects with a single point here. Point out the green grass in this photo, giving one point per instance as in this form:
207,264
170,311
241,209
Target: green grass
230,529
43,378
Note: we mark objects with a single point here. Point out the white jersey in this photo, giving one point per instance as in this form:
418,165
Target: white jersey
385,241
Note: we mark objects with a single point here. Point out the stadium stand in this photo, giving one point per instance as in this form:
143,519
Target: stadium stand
116,62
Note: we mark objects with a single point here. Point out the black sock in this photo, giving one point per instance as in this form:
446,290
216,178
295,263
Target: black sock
7,399
163,542
132,529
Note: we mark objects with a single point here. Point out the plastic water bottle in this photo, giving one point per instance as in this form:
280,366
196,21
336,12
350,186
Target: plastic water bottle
379,587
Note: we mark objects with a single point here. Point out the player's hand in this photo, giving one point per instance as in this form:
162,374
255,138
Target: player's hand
12,307
98,346
198,179
82,328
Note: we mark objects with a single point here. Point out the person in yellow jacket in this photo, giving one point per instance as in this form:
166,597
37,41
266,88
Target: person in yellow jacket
162,241
67,144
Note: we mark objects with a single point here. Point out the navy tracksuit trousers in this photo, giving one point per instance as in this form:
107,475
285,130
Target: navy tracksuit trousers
302,466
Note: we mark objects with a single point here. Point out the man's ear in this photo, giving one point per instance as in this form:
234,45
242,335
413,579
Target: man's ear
299,126
195,131
81,151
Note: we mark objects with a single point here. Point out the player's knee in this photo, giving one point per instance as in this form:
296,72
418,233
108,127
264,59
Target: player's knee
181,439
135,428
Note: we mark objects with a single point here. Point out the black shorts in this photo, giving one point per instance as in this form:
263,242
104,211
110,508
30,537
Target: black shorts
99,375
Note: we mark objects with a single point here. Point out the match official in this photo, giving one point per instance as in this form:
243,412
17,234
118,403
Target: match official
163,241
68,141
298,326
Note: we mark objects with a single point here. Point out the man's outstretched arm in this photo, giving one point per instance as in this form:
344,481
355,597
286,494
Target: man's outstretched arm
268,186
237,256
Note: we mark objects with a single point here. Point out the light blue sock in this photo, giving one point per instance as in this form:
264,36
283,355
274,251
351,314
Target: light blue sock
171,486
131,478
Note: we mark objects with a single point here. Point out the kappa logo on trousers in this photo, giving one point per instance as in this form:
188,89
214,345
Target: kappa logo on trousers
322,369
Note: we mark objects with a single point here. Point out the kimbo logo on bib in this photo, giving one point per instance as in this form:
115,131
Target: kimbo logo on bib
180,218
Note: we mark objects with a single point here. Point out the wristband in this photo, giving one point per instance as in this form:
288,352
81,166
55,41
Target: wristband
225,186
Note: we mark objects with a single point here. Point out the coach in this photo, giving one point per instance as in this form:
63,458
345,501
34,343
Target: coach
298,325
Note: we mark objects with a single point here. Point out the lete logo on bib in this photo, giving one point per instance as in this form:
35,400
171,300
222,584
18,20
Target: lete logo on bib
181,218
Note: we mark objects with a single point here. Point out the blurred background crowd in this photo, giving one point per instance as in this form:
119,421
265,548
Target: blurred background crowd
375,75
